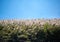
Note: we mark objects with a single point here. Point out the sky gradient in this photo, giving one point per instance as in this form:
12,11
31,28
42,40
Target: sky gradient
24,9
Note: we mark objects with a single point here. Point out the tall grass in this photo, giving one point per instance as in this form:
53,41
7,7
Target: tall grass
29,33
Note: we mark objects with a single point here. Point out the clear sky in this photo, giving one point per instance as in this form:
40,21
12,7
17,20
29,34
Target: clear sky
10,9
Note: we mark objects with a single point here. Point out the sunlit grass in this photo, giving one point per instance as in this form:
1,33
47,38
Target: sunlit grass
13,32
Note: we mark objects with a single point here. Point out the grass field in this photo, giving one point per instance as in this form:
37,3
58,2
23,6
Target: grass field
34,30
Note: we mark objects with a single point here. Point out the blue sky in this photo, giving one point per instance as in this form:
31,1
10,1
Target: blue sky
18,9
